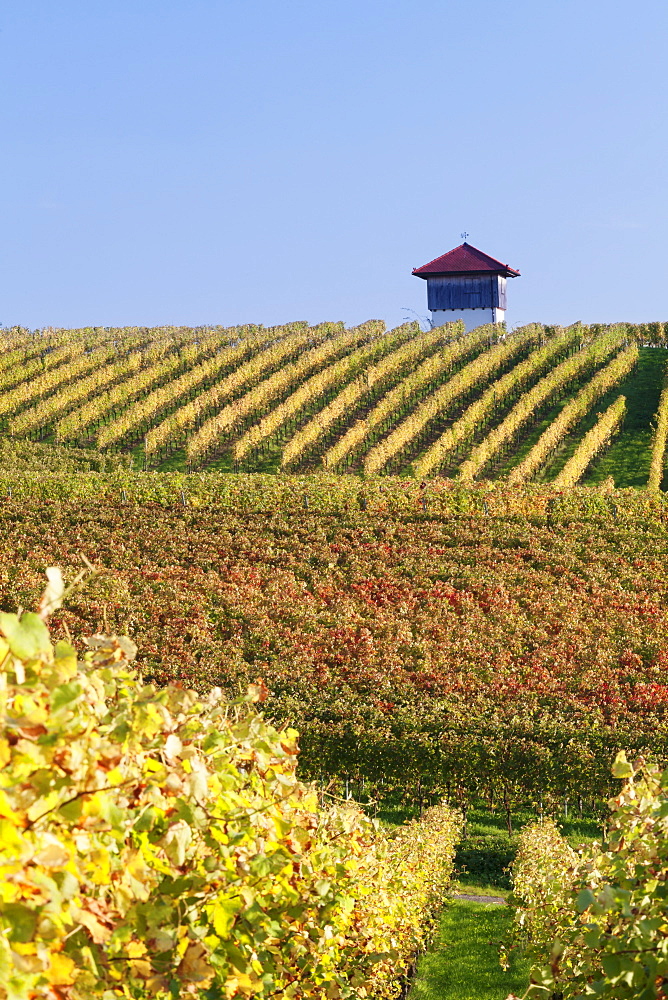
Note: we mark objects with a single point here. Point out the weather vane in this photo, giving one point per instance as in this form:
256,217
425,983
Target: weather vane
464,236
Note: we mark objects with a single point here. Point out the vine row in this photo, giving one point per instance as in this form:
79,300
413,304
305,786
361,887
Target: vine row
477,372
592,443
272,348
431,370
479,413
548,388
659,441
215,430
142,414
573,412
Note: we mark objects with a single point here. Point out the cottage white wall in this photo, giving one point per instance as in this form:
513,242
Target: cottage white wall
472,317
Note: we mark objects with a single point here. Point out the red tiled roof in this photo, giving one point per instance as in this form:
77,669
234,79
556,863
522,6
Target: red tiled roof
463,260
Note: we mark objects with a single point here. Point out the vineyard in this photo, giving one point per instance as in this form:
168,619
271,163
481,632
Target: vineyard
438,561
429,641
539,403
505,644
155,846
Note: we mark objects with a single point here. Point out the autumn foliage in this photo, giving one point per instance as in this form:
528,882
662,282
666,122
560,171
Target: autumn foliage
498,649
313,397
155,843
594,921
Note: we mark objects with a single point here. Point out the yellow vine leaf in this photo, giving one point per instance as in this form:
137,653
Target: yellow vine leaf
61,969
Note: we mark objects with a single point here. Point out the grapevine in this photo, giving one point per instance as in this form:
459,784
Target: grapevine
548,388
143,413
429,372
307,436
53,379
574,411
20,365
47,410
511,384
458,621
592,443
309,392
77,424
262,396
478,373
593,921
157,369
659,441
157,842
272,348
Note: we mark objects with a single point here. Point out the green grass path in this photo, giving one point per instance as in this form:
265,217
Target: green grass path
464,961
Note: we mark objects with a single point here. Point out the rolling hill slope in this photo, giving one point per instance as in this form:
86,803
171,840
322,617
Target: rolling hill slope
298,398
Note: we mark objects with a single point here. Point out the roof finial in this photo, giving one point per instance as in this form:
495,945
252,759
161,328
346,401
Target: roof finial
464,236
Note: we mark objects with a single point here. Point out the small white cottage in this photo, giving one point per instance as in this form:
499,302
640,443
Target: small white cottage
467,284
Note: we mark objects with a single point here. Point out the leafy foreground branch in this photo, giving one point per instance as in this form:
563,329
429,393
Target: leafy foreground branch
154,844
595,921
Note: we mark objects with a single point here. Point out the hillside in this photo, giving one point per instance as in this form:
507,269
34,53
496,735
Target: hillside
424,590
476,647
540,403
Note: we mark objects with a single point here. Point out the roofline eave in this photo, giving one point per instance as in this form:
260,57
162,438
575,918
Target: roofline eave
507,272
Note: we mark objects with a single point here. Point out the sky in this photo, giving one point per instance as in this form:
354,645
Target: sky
189,162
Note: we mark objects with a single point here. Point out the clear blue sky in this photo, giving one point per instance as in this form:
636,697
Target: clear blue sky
203,161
